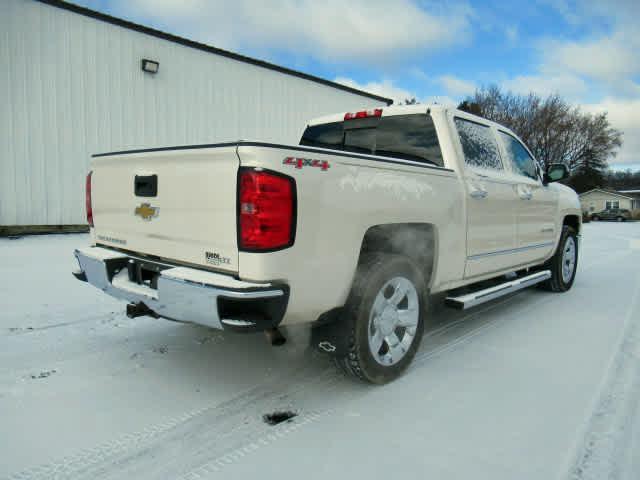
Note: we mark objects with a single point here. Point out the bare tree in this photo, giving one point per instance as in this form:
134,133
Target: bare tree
554,130
623,179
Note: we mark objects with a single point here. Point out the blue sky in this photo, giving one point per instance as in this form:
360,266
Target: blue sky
584,50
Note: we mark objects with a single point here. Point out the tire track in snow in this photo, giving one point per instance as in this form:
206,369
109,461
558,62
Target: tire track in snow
97,461
421,357
218,463
129,452
605,448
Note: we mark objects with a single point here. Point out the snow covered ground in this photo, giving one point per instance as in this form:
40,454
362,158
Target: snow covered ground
534,386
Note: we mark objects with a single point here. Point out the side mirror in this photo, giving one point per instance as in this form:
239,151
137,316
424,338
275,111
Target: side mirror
556,172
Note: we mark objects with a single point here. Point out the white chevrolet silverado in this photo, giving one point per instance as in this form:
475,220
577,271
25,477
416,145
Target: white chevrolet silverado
351,231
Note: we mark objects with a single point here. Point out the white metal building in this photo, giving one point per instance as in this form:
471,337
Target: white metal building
72,84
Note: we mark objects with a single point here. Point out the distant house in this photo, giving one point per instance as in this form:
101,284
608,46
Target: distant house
600,199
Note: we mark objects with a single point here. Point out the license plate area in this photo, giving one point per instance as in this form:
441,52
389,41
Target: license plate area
144,272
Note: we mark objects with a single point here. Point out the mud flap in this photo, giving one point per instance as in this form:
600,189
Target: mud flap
331,334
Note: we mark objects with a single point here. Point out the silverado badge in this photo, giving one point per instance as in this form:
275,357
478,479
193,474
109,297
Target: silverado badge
146,211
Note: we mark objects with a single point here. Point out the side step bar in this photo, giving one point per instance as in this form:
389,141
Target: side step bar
476,298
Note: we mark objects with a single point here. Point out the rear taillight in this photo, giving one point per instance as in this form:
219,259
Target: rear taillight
266,210
376,112
88,201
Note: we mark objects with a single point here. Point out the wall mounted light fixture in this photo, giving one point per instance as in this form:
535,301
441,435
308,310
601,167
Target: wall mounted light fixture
150,66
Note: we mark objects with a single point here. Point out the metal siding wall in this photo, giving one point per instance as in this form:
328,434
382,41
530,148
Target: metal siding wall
71,86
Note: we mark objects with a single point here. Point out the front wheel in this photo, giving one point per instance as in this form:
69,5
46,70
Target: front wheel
620,219
595,218
564,263
385,310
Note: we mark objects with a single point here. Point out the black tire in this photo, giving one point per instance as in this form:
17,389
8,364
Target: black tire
373,273
595,218
557,283
620,219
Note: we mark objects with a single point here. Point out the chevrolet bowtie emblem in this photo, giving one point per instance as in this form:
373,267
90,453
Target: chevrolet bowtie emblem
146,211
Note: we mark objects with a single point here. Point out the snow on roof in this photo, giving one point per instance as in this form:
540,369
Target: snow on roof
610,192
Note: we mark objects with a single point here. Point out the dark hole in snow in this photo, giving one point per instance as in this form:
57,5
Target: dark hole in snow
278,417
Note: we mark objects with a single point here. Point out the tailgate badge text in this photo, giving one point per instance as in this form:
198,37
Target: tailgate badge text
216,259
306,162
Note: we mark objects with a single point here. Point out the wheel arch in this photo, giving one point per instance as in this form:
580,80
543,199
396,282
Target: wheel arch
418,241
572,221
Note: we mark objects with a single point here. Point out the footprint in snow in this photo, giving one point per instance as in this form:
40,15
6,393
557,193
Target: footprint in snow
162,349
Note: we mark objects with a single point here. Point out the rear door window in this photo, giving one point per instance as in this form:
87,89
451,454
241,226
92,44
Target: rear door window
521,162
478,145
407,137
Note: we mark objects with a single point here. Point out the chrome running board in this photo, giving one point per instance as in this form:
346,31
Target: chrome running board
469,300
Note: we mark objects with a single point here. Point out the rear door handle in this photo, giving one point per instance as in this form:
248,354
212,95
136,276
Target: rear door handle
526,195
479,194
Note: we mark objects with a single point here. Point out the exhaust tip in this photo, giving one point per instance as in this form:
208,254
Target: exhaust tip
139,309
275,337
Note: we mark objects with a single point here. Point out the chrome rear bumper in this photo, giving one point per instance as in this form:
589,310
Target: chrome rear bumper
184,294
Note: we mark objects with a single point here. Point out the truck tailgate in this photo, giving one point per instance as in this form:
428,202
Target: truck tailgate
174,204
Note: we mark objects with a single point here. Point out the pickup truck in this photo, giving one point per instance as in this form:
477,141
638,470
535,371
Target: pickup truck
353,230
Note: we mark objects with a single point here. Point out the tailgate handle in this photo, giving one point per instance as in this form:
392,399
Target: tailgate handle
146,185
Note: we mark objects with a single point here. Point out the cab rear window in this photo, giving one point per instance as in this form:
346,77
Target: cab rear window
407,137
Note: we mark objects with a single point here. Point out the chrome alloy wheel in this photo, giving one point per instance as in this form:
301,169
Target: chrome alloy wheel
393,321
568,259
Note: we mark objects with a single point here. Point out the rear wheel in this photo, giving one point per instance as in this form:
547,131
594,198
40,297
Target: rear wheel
620,219
385,310
564,263
595,218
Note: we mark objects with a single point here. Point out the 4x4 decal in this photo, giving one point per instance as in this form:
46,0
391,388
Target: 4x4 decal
306,162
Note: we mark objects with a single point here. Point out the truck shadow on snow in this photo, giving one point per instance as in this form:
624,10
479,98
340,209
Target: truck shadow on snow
215,359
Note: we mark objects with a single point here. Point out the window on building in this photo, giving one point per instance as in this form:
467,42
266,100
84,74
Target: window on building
478,144
612,204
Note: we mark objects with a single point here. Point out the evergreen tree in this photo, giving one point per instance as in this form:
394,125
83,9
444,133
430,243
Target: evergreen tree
590,173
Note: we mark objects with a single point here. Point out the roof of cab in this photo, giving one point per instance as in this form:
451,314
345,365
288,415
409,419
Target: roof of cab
409,110
386,111
415,109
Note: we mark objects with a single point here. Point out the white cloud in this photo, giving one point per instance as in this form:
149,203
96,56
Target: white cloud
512,34
456,86
607,58
370,31
608,55
566,85
623,115
579,12
386,88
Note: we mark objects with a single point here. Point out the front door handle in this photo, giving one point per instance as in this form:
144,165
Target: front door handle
479,194
524,192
